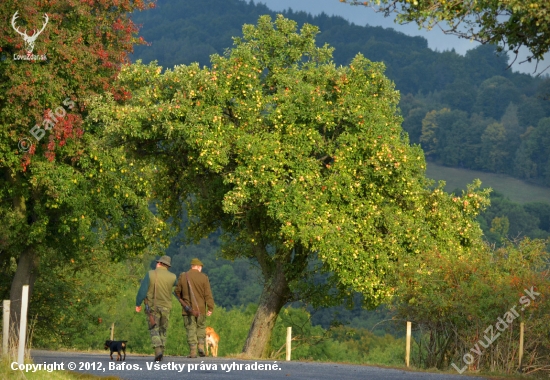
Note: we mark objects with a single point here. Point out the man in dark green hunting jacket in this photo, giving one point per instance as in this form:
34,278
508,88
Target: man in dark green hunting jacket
156,291
194,289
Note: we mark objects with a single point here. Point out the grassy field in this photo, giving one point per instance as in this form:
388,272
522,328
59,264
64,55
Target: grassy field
517,190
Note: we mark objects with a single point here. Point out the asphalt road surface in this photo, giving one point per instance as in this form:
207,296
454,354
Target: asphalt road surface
137,367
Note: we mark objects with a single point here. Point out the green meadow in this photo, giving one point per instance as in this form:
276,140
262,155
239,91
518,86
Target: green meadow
517,190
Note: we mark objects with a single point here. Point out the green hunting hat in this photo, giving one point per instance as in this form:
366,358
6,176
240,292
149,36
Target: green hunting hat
196,261
166,260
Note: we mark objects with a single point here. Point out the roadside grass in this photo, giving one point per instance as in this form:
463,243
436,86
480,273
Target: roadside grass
7,373
450,371
515,189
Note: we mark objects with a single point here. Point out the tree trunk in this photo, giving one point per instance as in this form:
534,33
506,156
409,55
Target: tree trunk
26,274
275,295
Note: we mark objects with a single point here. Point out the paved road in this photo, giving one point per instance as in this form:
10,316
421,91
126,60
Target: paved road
143,368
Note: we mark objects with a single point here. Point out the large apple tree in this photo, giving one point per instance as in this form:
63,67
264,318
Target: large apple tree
303,165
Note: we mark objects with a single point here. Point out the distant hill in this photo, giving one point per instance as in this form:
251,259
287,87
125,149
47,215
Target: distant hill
182,32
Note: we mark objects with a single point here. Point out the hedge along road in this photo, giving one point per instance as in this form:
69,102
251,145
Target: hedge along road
175,367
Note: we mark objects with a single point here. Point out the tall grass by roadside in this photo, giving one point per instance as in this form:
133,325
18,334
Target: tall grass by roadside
8,361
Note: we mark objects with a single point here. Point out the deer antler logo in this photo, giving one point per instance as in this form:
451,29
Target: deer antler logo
29,40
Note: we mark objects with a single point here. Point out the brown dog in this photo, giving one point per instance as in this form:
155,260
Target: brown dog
212,340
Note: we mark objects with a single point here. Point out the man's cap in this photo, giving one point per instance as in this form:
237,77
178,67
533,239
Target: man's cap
196,261
166,260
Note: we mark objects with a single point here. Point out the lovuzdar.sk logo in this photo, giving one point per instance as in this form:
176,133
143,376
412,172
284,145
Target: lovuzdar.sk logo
29,41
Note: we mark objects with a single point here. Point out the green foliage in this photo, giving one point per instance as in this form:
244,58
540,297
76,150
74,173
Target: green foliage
500,227
186,32
542,212
458,95
505,220
234,283
452,299
305,337
531,110
456,138
437,79
517,209
301,162
295,159
66,196
532,160
494,95
183,32
285,146
337,344
451,137
493,156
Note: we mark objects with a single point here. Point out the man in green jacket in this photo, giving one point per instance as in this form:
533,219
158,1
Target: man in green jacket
156,291
193,288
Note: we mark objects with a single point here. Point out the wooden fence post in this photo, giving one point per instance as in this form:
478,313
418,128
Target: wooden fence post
5,326
408,343
288,342
521,330
23,325
113,331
